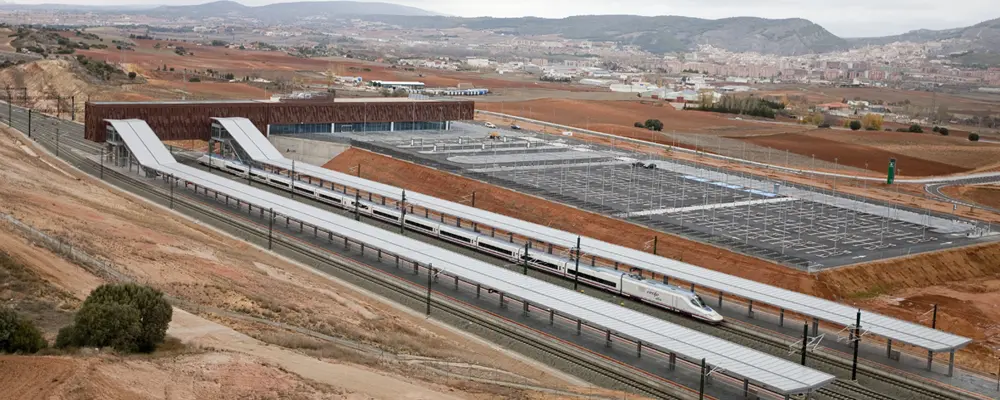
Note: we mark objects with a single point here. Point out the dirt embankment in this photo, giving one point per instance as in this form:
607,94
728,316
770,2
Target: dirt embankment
986,195
213,273
854,155
891,286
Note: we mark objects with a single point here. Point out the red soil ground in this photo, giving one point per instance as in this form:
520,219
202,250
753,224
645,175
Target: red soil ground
244,62
584,113
854,155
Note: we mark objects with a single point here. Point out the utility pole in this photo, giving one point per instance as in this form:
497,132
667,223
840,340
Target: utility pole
291,179
102,162
359,170
170,181
357,201
934,318
526,244
430,271
57,142
576,274
473,198
655,240
73,112
857,344
270,230
29,123
10,112
701,383
402,208
805,341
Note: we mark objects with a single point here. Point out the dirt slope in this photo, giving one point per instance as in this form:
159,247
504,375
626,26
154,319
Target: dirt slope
855,155
200,267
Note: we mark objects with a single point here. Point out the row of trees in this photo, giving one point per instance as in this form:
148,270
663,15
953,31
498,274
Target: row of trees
126,317
740,105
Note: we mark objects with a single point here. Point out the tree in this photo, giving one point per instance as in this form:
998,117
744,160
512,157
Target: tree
18,334
131,75
855,125
936,129
943,131
973,137
915,128
105,319
638,124
114,325
653,125
872,122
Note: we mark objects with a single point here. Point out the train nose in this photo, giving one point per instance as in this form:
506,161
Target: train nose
715,317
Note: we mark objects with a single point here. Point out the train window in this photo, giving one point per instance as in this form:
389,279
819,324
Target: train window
544,263
697,302
384,214
302,190
256,175
333,199
456,237
232,168
593,278
495,248
418,225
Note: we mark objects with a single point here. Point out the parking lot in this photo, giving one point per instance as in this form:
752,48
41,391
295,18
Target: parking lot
796,226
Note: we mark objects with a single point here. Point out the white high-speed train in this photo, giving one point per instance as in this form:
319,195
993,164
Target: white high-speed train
624,283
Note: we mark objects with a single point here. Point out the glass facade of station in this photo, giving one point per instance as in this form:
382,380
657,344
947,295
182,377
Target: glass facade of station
292,129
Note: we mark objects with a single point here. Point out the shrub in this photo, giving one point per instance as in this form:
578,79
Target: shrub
915,128
654,125
824,125
943,131
639,125
973,137
936,129
18,334
131,75
127,317
855,125
194,79
118,326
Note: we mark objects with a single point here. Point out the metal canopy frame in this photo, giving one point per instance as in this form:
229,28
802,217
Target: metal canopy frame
767,371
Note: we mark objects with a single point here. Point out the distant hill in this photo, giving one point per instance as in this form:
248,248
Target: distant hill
284,12
977,42
656,34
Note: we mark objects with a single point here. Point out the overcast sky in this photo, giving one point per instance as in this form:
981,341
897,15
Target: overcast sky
845,18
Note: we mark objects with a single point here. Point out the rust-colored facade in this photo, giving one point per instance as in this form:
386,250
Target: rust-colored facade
192,120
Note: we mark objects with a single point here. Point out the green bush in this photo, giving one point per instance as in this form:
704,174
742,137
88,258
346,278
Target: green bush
639,125
653,125
855,125
18,334
194,79
936,129
916,129
118,326
973,137
127,317
943,131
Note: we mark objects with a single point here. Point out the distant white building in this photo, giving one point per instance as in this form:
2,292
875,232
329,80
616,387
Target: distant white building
478,62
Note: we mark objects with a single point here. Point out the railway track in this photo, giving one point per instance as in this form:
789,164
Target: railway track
74,149
370,279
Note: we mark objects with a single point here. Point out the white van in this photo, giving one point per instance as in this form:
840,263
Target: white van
491,125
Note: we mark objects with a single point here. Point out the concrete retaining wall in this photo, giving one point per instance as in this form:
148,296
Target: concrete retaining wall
315,152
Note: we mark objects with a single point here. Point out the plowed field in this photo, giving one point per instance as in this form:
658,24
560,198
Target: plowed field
854,155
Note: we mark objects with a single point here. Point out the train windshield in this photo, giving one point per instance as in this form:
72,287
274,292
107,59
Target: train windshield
697,302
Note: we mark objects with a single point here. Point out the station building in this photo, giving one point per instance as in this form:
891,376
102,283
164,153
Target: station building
186,120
